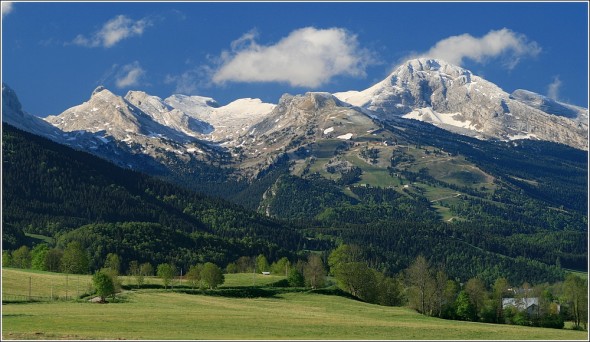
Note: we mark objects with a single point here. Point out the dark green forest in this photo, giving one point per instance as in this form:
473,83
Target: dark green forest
54,191
517,231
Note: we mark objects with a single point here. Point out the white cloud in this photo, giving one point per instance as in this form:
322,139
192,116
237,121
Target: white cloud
553,88
190,81
129,75
7,7
113,31
500,43
307,57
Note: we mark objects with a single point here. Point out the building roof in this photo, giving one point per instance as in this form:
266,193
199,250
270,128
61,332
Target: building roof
520,303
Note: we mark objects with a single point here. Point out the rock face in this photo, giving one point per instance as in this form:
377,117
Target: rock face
168,116
147,133
153,140
299,121
13,114
453,98
548,105
113,116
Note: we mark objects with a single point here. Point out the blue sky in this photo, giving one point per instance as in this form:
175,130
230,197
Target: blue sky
55,54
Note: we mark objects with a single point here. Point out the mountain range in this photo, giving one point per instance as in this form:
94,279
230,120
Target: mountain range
180,128
433,154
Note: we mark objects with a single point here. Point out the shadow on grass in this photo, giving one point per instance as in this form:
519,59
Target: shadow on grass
334,291
237,292
265,291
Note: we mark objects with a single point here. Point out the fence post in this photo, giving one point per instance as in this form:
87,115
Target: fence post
30,283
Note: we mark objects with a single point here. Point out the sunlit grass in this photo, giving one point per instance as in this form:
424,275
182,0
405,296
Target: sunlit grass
169,315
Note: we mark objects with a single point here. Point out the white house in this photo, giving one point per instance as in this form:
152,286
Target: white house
522,304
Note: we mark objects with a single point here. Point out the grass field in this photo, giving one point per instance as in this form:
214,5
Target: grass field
156,314
43,285
297,315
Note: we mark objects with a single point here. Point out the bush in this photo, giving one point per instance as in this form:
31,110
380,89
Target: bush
295,278
281,283
552,321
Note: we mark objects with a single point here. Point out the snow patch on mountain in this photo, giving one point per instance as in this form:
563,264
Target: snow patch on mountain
451,119
227,121
467,104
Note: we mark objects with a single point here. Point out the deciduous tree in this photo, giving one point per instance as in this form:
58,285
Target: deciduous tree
314,271
194,275
103,284
281,266
357,279
134,271
146,269
211,275
21,258
167,273
575,291
38,256
421,282
464,307
499,291
476,290
113,262
53,260
6,259
261,263
74,259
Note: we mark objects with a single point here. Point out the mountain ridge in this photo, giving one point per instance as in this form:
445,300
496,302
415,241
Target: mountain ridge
469,104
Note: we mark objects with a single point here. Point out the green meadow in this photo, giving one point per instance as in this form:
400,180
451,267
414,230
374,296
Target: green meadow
159,314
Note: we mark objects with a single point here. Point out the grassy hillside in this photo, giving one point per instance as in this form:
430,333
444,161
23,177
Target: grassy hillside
296,315
43,285
286,316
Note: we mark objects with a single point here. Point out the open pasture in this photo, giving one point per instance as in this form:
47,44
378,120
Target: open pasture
149,314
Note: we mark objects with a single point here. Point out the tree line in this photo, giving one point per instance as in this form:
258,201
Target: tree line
421,286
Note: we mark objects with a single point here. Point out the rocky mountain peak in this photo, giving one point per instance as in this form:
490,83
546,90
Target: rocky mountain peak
452,98
13,114
9,99
98,90
432,65
147,103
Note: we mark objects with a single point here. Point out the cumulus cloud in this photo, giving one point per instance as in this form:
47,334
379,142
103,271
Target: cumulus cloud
499,43
129,75
307,57
553,88
7,7
113,31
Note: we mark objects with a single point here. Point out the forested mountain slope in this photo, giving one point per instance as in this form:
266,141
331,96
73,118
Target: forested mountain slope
52,190
504,224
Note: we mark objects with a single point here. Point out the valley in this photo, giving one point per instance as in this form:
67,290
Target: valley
421,165
302,314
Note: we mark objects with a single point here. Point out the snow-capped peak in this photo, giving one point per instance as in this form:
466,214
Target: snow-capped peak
188,103
439,89
147,103
431,64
